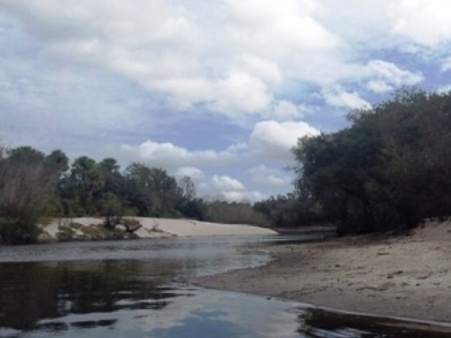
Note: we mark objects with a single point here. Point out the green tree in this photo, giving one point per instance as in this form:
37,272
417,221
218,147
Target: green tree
25,154
26,186
291,210
114,181
152,190
58,161
390,169
82,188
188,205
234,213
111,209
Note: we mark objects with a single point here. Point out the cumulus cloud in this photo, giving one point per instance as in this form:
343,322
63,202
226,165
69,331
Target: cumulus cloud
112,75
379,86
241,92
267,27
168,49
286,110
358,21
241,196
391,74
226,188
172,49
275,139
264,176
160,46
226,183
338,97
425,22
194,173
263,68
168,155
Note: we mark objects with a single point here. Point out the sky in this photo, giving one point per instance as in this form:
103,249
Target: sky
217,90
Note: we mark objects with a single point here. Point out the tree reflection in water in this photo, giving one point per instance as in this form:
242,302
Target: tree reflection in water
133,296
31,292
316,322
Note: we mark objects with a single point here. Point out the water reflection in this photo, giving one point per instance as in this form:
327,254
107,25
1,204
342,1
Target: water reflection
30,292
316,322
128,299
136,296
197,256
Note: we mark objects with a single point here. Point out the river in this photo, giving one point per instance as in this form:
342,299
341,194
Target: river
138,289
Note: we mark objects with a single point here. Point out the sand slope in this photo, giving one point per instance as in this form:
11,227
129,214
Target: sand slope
84,227
407,276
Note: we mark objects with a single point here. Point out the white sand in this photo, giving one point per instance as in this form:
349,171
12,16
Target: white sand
162,227
186,228
407,276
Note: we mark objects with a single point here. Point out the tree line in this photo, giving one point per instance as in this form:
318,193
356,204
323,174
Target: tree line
34,185
389,170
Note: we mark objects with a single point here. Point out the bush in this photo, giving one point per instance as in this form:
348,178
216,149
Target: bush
18,230
25,188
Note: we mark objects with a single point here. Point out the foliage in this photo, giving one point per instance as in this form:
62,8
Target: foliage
234,213
152,190
387,171
26,185
34,185
288,211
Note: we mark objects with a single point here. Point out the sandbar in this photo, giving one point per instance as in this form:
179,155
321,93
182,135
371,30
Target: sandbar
406,276
82,228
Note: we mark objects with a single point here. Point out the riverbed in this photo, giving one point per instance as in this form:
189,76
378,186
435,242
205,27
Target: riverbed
140,289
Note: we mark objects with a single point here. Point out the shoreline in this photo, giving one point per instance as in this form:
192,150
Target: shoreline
92,228
406,277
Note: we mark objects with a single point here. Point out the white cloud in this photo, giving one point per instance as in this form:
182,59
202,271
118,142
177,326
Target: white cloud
150,42
184,91
168,155
241,196
379,86
381,76
154,44
286,110
107,75
240,92
265,176
194,173
425,22
226,183
392,74
267,27
275,139
231,57
226,188
358,22
264,69
338,97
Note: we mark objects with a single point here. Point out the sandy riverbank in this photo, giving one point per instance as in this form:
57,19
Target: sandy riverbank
408,276
86,228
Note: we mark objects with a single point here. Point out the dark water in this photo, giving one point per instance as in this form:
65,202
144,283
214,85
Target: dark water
135,289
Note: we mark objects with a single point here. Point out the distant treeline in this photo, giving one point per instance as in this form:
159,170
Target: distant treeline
34,185
389,170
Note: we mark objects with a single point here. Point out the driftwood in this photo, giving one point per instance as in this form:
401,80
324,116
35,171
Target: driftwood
130,225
